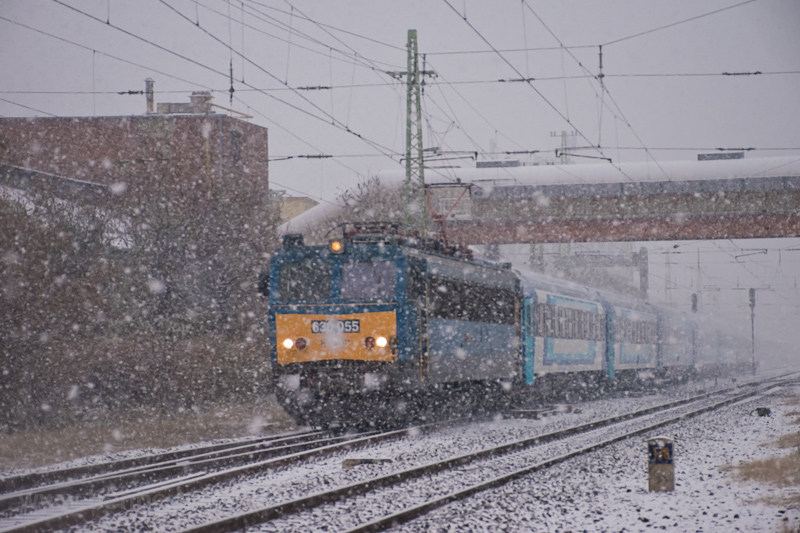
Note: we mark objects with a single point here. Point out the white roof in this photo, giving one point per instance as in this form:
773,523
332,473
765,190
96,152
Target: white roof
571,175
612,173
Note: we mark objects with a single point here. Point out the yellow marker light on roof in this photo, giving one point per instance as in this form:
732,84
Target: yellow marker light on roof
381,342
288,344
336,246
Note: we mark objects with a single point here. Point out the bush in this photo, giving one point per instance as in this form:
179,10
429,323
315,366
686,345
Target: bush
90,330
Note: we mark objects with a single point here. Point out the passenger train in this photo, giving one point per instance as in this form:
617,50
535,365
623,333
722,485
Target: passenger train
378,323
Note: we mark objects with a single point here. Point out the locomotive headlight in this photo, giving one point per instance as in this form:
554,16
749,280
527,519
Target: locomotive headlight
288,344
336,247
381,342
301,343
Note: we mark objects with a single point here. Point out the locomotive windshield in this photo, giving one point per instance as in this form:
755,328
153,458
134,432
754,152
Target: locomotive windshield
368,281
307,281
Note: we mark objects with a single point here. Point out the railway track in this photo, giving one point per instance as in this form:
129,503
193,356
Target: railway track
63,498
472,472
34,479
160,468
107,493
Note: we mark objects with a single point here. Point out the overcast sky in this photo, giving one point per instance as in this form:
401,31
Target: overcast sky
665,88
664,66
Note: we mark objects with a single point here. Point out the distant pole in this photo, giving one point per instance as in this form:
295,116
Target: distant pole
667,281
753,326
600,77
415,167
644,282
699,282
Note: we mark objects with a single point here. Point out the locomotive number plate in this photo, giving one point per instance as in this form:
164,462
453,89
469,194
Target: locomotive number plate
335,326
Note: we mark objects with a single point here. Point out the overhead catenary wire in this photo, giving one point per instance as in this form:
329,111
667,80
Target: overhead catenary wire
484,152
346,56
281,127
117,58
333,87
329,119
333,121
28,107
304,141
537,91
508,50
334,28
141,66
714,243
395,154
262,17
603,88
505,60
355,53
462,129
561,48
673,24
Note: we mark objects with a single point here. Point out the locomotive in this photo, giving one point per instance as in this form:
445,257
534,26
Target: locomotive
376,324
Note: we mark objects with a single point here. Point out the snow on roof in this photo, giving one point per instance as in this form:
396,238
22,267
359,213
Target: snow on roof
609,173
573,175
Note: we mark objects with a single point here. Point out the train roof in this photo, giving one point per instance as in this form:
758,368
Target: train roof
532,281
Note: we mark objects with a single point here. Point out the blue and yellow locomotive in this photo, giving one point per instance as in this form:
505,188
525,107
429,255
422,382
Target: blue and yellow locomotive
380,315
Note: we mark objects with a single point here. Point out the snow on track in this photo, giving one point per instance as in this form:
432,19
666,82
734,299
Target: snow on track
284,484
607,490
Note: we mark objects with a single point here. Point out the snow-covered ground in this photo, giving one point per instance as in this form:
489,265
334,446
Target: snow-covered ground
605,491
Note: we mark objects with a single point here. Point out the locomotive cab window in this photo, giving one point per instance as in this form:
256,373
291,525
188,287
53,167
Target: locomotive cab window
370,281
306,281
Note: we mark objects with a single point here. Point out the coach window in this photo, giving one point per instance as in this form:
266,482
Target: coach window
574,330
583,324
589,325
568,324
547,321
369,281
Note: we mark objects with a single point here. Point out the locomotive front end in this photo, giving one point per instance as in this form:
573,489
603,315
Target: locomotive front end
334,327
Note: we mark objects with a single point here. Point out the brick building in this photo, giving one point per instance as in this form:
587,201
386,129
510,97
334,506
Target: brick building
183,147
